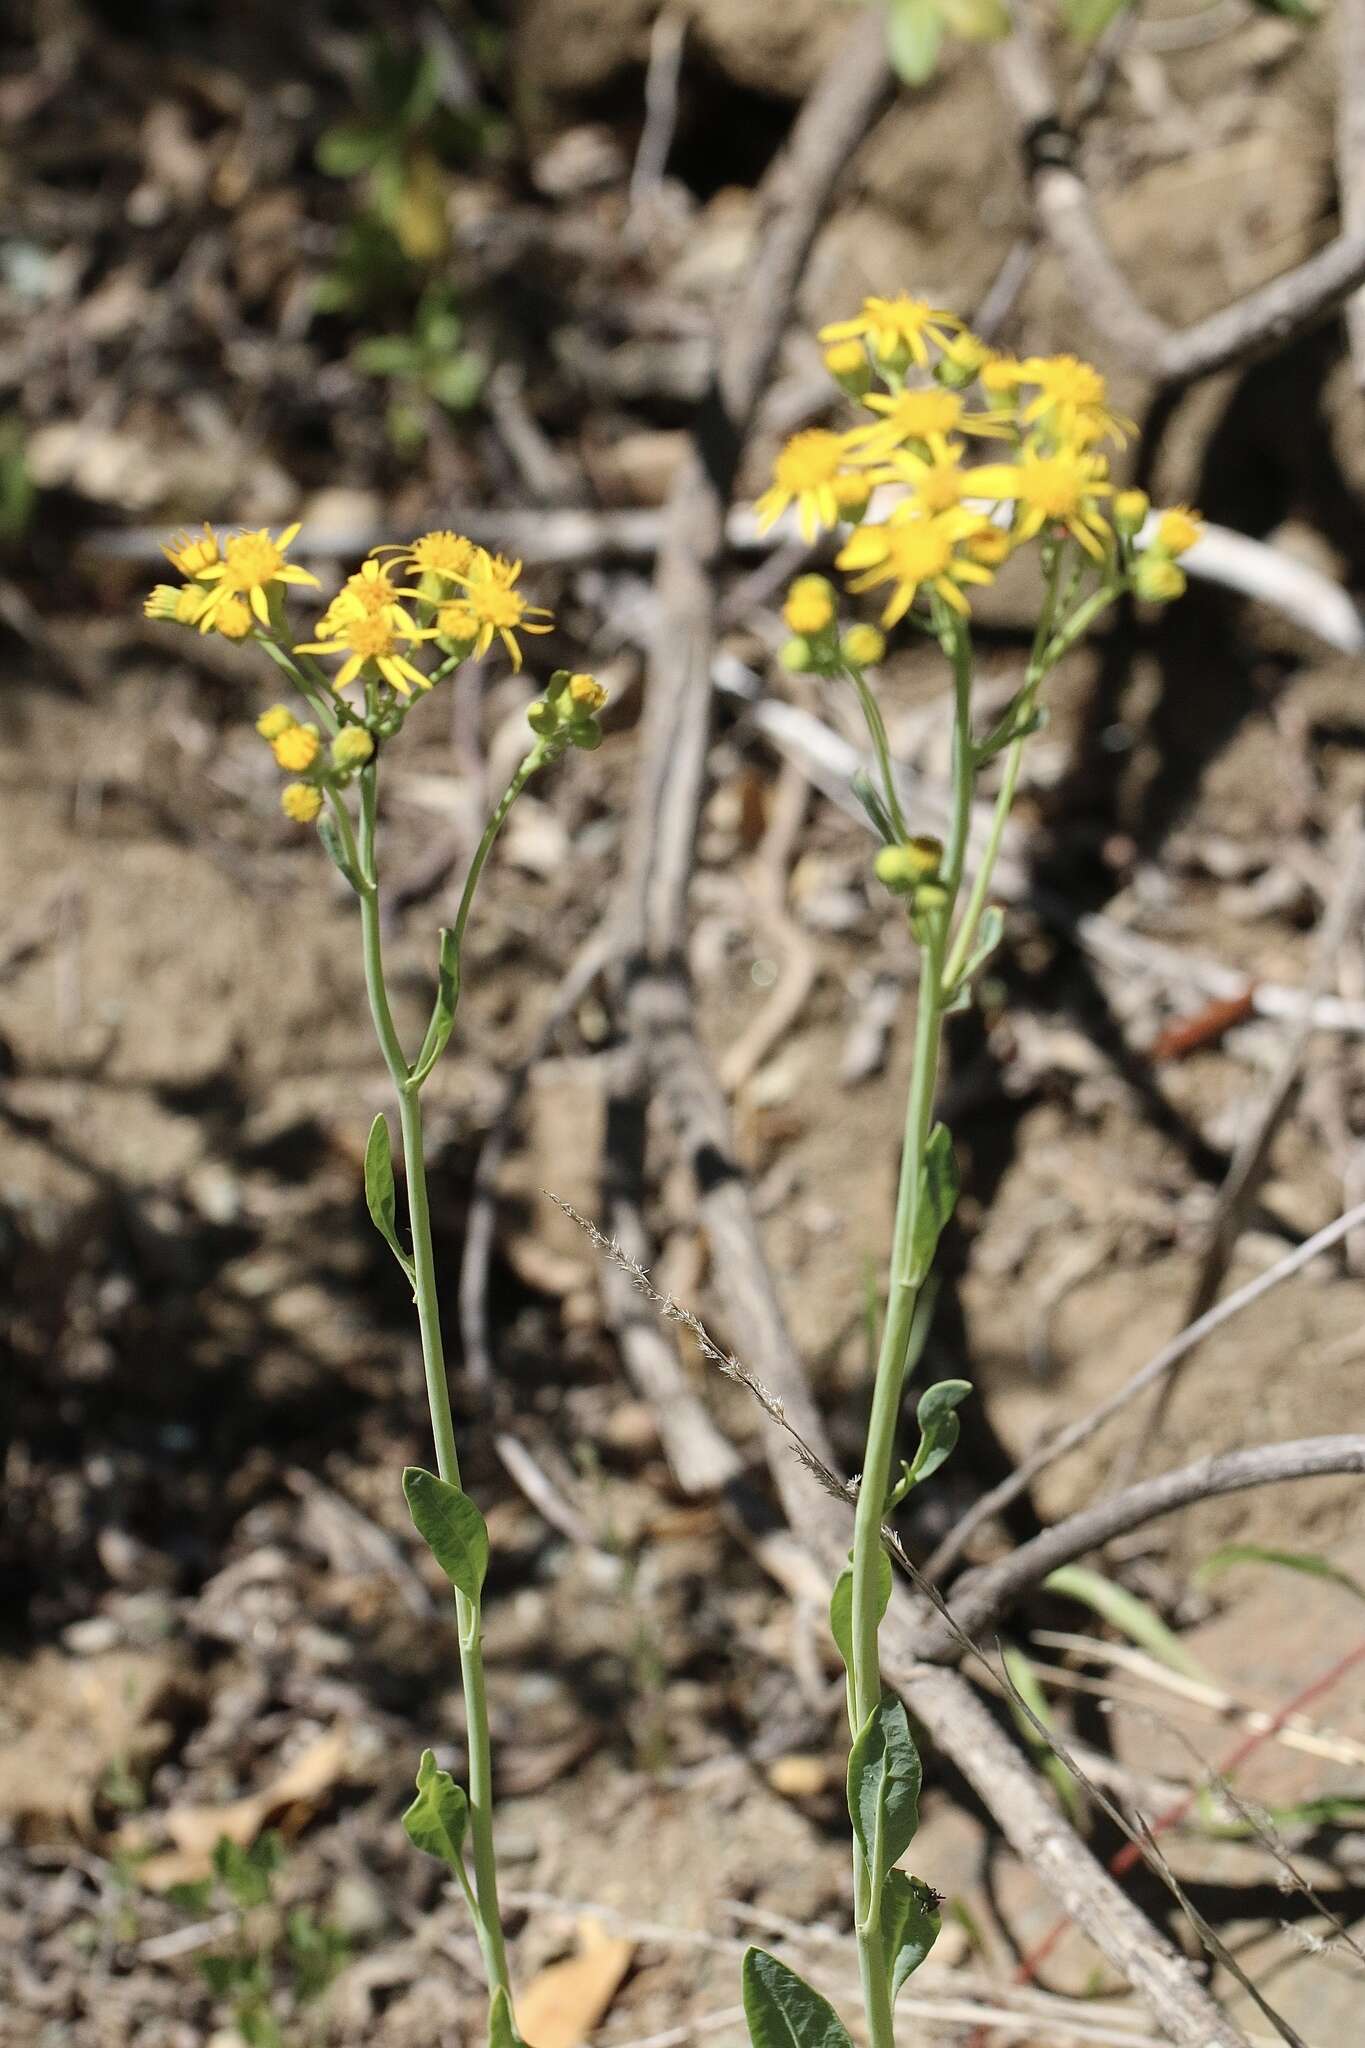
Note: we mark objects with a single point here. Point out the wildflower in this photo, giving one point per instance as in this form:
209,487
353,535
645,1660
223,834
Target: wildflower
440,553
963,359
915,554
296,748
231,617
1177,530
455,622
937,481
1002,376
1072,399
905,867
178,602
192,554
1158,578
924,418
897,330
847,364
300,802
1063,489
810,605
352,747
274,720
851,493
370,593
805,475
367,638
991,545
496,609
586,695
863,646
251,564
1130,511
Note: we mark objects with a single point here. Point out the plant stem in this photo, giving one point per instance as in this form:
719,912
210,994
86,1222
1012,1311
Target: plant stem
488,1919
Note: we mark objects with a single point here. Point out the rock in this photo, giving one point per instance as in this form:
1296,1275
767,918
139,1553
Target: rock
775,50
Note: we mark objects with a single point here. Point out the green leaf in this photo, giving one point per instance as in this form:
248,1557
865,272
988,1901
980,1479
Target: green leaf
439,1815
1125,1612
841,1605
910,1925
379,1194
350,147
989,933
937,1200
451,1527
246,1874
331,839
1090,18
938,1428
868,796
1015,723
783,2011
1305,1561
502,2031
914,31
883,1787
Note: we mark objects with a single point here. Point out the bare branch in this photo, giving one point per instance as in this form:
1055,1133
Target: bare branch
1263,319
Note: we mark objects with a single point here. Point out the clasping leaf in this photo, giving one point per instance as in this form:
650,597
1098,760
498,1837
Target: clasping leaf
439,1815
937,1200
783,2011
379,1191
451,1527
910,1925
883,1788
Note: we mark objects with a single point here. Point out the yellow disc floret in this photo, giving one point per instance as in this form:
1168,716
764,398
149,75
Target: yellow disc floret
586,694
274,720
296,748
810,605
864,646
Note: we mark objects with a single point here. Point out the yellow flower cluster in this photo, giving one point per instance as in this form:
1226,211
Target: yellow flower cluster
299,751
925,521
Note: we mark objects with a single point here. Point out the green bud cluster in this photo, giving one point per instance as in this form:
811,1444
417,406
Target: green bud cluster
567,714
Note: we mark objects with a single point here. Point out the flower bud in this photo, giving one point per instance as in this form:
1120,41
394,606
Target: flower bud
585,733
1158,579
1130,512
300,802
586,695
798,655
906,869
277,718
233,618
847,364
1177,530
863,646
352,747
296,748
961,360
810,606
851,494
542,718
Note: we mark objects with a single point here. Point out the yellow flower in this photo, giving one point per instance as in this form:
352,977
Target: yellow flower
440,553
296,748
805,475
937,481
864,646
1177,529
898,330
496,609
907,865
1130,511
585,694
370,593
191,554
231,617
963,359
810,605
251,563
274,720
300,802
178,602
924,418
371,637
1158,578
455,621
992,545
1061,489
1072,400
352,747
915,554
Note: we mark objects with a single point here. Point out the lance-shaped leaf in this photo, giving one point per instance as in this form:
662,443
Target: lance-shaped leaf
451,1527
444,1008
989,933
379,1190
841,1605
502,2030
331,839
937,1200
870,799
910,1925
883,1788
783,2011
938,1428
439,1815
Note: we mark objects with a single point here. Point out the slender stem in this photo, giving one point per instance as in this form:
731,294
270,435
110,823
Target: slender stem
957,644
881,745
467,1615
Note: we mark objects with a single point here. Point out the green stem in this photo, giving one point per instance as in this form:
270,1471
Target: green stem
881,745
488,1919
957,644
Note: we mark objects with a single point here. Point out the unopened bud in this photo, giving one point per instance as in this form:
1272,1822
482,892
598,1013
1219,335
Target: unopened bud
1158,579
847,364
863,646
1130,512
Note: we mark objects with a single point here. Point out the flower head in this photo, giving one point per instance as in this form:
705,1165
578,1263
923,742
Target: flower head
1158,578
370,593
177,602
898,330
920,419
914,554
439,553
1072,400
231,617
251,563
1061,489
352,747
192,553
585,694
371,638
864,646
806,474
274,720
296,748
300,802
810,605
495,607
1177,530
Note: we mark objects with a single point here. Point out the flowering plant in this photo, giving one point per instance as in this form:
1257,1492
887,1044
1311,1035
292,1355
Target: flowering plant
396,627
922,528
